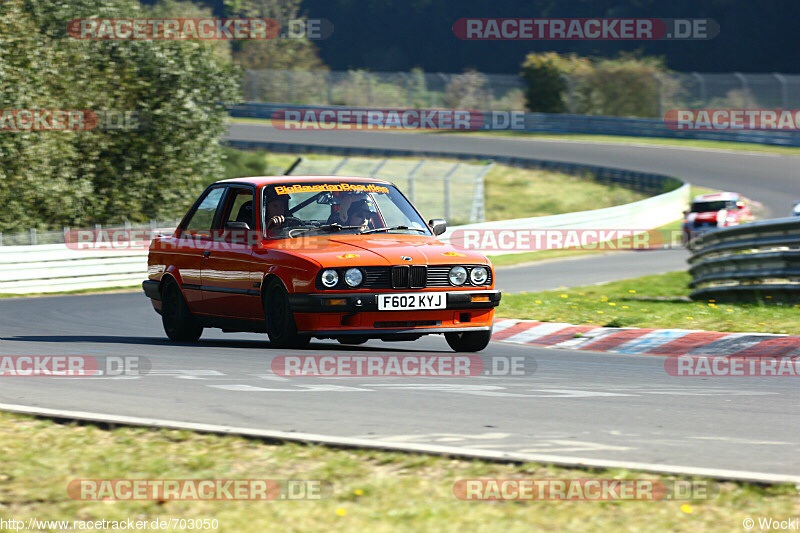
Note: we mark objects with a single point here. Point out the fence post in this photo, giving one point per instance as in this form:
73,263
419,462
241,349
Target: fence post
411,176
784,93
32,234
447,189
329,86
745,85
339,167
478,213
702,82
1,238
378,168
571,96
291,86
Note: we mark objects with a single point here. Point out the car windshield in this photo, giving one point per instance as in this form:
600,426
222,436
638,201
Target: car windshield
704,207
343,207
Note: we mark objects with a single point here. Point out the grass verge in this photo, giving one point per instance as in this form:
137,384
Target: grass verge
386,491
659,301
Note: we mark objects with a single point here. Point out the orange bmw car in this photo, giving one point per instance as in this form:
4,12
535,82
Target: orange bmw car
325,257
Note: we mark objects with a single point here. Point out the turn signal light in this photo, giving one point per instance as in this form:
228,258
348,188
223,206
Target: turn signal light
480,298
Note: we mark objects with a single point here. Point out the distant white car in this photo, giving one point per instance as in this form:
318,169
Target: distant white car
796,210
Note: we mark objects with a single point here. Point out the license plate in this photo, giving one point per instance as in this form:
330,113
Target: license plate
408,302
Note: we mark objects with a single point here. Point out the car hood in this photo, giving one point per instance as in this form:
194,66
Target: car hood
381,249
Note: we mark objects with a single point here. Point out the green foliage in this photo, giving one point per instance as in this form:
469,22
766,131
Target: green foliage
545,83
627,86
78,178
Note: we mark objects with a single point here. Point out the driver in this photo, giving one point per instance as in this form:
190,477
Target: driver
360,213
277,210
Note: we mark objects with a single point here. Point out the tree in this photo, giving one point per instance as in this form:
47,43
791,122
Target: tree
50,179
545,83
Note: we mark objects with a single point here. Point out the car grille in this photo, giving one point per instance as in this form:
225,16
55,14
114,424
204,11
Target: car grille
409,277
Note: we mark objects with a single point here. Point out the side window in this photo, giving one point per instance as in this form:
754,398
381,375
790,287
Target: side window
240,208
203,218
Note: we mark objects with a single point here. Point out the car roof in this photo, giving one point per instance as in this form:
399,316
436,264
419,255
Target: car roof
274,180
717,196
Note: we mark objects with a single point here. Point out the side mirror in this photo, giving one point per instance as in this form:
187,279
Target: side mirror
234,226
438,225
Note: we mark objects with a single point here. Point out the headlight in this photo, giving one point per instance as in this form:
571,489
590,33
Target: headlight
458,275
330,278
478,275
353,277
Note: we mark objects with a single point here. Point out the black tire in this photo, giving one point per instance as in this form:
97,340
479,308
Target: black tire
353,340
281,327
468,341
179,324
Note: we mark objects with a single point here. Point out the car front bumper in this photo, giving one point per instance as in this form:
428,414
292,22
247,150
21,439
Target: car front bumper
358,314
368,302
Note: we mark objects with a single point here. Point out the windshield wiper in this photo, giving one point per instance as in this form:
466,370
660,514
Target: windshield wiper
326,227
376,230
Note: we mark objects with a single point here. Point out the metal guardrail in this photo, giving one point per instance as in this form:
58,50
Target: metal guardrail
757,262
579,124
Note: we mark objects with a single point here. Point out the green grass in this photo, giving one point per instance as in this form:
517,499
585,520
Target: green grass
659,301
372,490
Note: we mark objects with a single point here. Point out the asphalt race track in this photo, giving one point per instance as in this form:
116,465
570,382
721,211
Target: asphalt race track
585,407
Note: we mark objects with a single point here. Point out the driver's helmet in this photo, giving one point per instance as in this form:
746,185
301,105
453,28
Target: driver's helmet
271,195
364,205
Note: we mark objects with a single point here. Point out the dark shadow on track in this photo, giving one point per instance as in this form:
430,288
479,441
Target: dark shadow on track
207,343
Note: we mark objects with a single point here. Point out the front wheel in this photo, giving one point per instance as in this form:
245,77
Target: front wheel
281,327
179,324
468,341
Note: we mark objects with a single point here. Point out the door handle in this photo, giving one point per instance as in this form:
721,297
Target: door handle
207,253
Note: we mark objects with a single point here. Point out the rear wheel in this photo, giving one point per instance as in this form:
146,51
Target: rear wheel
281,326
179,324
468,341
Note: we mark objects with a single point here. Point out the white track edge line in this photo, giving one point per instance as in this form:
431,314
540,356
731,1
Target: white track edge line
736,475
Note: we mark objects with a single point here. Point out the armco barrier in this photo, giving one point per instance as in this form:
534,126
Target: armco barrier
576,124
54,268
752,262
